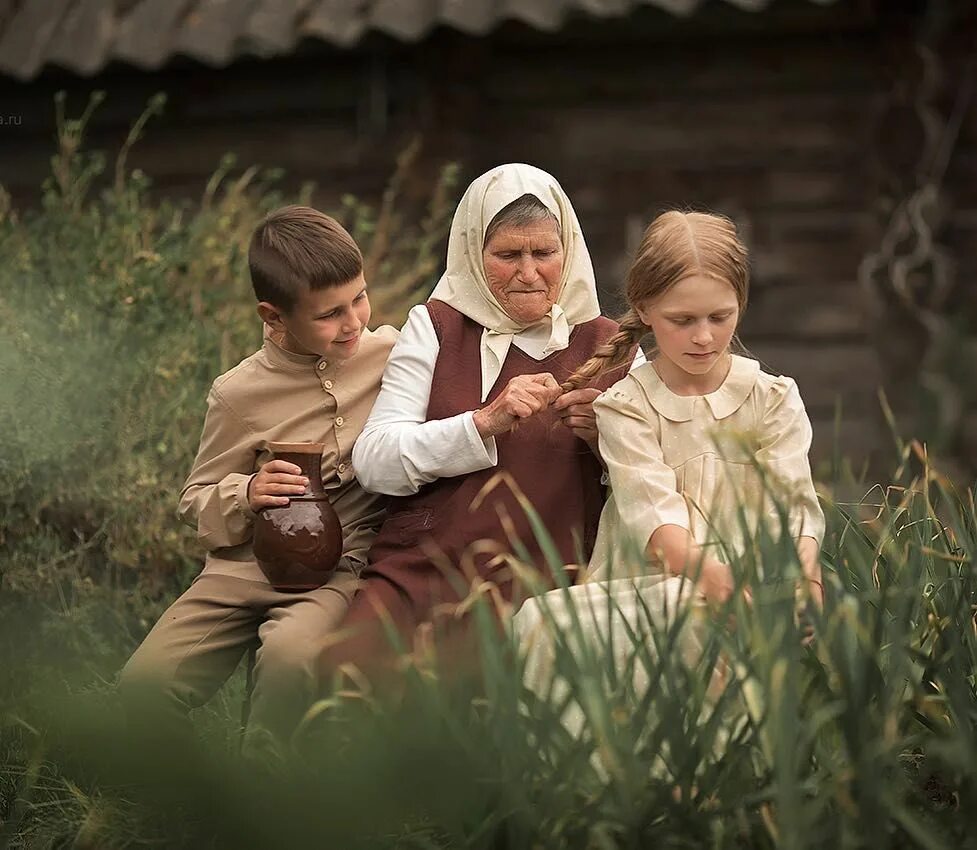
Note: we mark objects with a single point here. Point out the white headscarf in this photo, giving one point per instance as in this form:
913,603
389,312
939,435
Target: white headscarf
465,288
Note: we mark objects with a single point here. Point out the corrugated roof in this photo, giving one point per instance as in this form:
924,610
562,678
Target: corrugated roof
84,35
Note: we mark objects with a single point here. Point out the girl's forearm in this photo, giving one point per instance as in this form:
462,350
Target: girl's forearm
683,556
808,551
675,548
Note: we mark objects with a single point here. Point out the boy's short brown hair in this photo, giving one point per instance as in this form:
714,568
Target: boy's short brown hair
298,248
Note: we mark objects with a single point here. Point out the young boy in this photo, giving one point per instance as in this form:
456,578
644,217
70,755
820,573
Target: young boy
314,379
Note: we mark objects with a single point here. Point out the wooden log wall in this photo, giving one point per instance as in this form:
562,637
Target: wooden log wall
768,118
775,133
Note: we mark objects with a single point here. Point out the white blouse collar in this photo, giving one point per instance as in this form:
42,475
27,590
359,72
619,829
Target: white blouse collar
723,402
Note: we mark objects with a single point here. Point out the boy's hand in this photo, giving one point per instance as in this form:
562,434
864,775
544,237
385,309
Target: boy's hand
274,483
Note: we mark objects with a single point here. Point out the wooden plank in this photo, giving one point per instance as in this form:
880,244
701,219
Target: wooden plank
23,46
8,8
642,188
848,373
859,440
682,132
786,269
302,150
810,186
665,72
260,96
198,94
816,244
822,245
831,312
23,166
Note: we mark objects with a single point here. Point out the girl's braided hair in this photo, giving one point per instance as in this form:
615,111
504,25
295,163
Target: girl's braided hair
613,353
675,246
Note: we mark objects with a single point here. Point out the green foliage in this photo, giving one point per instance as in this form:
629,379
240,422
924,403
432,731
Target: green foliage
865,738
118,311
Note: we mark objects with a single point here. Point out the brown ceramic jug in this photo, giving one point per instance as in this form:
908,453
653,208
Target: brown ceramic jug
299,544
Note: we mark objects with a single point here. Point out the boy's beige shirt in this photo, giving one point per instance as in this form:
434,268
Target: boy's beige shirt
276,395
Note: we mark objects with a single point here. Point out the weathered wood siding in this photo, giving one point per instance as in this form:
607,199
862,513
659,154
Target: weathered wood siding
770,118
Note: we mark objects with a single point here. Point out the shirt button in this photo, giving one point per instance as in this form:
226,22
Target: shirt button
339,421
328,385
322,365
342,467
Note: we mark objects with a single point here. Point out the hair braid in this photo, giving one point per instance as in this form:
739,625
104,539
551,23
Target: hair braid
611,354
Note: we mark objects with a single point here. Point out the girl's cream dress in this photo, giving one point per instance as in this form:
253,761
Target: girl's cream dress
717,465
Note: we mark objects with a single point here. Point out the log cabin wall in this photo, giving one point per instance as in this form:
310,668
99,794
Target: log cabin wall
771,118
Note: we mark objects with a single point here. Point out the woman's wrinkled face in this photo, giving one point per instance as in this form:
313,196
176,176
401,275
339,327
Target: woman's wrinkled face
523,266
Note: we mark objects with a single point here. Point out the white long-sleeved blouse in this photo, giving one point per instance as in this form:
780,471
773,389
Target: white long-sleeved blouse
398,451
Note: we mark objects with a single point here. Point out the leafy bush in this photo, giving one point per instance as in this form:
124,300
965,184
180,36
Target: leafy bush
119,311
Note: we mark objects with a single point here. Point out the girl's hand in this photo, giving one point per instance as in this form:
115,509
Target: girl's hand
809,591
715,581
523,397
274,483
674,547
577,413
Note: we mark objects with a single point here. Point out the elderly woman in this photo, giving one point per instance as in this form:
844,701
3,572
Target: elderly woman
471,415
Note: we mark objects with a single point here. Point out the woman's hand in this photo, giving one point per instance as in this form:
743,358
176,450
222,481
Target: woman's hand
577,413
274,483
523,397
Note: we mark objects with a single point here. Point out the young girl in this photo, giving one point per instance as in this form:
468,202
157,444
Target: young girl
700,447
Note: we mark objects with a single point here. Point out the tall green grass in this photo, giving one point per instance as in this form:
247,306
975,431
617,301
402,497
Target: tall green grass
865,738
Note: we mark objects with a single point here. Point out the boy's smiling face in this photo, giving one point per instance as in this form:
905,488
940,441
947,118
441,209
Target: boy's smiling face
325,322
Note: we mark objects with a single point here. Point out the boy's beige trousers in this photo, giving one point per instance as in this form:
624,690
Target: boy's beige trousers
201,637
